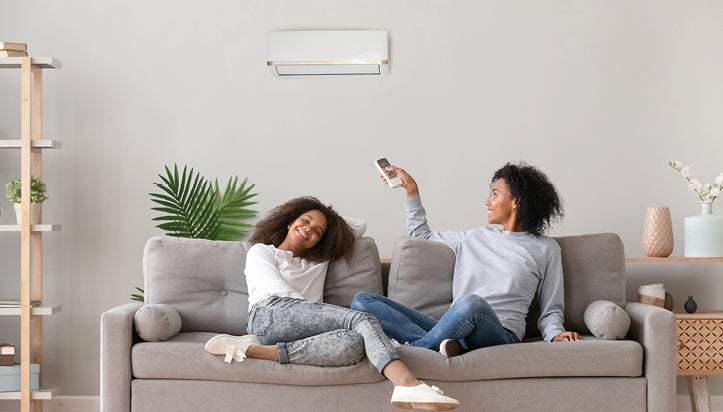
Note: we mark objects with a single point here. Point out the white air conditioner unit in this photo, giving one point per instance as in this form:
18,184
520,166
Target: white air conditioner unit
327,52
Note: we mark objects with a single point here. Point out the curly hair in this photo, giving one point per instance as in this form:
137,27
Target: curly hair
538,203
336,242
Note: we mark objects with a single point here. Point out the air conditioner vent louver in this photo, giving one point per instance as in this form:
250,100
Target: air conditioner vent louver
328,52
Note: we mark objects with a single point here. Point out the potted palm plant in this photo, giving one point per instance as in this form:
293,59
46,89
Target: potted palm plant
38,194
192,206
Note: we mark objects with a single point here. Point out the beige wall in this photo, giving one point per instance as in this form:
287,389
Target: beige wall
600,94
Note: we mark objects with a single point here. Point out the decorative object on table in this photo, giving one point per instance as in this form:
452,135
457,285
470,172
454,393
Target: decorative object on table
668,301
38,194
653,294
657,238
703,232
690,306
10,377
7,354
195,208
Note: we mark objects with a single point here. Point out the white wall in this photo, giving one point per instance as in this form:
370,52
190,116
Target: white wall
599,94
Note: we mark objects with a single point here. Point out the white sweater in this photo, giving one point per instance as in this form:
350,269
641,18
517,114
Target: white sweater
274,272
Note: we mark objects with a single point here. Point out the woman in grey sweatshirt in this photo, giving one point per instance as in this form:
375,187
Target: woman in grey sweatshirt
498,272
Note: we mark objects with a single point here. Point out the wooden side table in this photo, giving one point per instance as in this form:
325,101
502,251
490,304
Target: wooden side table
700,340
700,353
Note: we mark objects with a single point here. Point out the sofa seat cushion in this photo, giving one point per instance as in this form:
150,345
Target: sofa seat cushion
591,357
183,357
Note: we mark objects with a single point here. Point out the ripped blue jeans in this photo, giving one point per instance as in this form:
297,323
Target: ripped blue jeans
321,334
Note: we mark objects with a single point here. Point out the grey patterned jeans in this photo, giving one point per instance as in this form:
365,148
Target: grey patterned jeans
321,334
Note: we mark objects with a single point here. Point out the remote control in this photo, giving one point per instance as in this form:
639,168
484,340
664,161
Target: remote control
392,179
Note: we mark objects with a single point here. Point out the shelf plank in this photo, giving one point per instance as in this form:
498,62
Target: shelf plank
42,62
41,144
34,228
645,259
43,394
706,314
35,311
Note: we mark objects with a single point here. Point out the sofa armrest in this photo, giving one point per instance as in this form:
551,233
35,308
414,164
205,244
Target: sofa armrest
654,328
116,339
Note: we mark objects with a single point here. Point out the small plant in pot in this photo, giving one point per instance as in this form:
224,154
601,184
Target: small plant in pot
38,194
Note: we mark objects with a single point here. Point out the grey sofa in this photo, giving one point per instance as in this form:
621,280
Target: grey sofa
204,281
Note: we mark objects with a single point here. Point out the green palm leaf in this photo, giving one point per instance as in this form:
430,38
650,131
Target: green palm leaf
232,208
193,207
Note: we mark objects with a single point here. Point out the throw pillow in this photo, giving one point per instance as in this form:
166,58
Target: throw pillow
358,226
157,322
606,320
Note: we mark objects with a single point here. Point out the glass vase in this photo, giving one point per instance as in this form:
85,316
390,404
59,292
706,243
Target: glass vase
704,233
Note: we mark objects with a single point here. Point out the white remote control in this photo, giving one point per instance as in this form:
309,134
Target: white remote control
392,179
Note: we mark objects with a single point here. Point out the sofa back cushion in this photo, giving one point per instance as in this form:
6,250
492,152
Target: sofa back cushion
594,269
421,271
204,280
420,275
363,272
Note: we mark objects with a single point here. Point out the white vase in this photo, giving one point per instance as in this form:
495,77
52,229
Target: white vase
657,240
704,233
34,213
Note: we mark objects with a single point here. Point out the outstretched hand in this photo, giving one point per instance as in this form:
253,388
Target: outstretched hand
567,336
408,182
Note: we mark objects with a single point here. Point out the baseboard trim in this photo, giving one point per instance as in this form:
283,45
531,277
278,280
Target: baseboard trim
60,404
682,404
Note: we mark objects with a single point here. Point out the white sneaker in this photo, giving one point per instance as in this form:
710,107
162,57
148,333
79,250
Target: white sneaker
234,347
422,396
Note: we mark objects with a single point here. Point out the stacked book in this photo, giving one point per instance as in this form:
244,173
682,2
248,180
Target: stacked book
9,49
15,303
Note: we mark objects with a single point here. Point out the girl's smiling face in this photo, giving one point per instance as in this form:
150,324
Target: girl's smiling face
305,232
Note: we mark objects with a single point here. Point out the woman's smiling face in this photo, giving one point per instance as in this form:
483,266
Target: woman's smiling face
501,208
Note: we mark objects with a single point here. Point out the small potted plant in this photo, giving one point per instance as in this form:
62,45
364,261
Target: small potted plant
38,195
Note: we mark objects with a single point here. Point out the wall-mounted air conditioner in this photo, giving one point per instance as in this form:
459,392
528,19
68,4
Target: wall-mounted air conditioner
327,52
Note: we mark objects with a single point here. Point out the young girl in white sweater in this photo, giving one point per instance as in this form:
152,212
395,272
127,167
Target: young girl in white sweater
285,271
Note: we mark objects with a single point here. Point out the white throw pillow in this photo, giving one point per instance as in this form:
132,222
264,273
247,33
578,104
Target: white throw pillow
157,322
358,226
606,320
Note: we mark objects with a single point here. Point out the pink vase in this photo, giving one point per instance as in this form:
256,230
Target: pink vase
657,232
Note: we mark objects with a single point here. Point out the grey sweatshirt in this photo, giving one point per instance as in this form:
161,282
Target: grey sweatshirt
507,269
